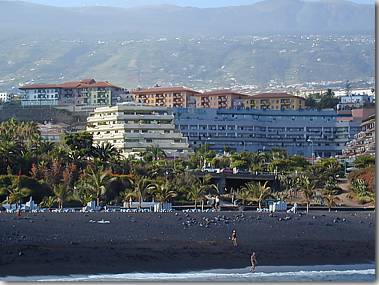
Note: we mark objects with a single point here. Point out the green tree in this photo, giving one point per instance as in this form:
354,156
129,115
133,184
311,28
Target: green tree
195,193
80,145
154,153
329,199
105,153
163,192
308,190
16,193
98,182
364,161
48,202
61,193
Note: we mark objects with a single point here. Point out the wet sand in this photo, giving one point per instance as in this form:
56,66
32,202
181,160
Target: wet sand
67,243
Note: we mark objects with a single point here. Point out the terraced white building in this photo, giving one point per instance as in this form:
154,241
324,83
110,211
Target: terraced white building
132,127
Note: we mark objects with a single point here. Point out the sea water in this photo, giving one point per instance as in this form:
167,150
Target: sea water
340,273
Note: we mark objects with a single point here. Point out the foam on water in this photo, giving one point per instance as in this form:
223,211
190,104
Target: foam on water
361,272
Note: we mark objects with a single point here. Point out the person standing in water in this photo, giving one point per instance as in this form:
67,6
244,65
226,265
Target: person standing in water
253,260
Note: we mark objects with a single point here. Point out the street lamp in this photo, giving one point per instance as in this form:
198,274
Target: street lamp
311,141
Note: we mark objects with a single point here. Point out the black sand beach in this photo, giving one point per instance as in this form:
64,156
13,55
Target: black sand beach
67,243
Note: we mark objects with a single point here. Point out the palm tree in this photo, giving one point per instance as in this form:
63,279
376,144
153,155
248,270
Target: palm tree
256,192
195,193
127,195
48,201
206,185
16,193
308,190
163,192
82,192
329,199
98,182
61,193
264,193
155,152
142,185
105,152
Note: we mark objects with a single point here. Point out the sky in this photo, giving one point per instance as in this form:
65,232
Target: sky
134,3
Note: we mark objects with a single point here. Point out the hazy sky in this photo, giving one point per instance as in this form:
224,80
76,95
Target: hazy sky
131,3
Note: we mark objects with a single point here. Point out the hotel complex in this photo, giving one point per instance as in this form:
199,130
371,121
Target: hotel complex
300,132
133,127
364,141
87,92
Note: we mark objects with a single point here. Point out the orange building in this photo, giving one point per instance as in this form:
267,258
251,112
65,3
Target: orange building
171,97
220,99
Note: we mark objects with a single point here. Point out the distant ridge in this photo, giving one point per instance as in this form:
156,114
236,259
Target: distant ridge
270,16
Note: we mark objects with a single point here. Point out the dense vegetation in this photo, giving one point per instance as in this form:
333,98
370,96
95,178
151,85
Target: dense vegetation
75,172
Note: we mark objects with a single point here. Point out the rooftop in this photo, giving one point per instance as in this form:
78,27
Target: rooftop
274,96
222,92
163,90
85,83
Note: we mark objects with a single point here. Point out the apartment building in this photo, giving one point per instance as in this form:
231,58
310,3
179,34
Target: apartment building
364,141
53,132
87,92
353,101
132,127
220,99
5,97
171,97
275,101
301,132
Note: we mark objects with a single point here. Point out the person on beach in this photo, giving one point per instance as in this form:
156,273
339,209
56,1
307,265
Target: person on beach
253,260
234,237
217,205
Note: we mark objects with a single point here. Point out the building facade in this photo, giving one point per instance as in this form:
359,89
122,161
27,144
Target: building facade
275,101
87,92
53,132
352,101
364,141
133,127
5,97
299,132
171,97
220,99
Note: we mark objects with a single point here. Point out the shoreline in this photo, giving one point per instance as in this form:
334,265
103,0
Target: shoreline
68,244
198,275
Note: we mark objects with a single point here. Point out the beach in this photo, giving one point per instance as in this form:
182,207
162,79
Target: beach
75,243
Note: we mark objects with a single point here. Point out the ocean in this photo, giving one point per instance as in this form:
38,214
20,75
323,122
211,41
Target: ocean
337,273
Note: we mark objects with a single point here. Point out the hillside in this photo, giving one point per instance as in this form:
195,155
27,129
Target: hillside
285,41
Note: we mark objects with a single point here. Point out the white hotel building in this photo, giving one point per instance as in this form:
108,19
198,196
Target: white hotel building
132,127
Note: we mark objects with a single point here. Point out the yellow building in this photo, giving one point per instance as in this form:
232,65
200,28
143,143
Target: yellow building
275,101
171,97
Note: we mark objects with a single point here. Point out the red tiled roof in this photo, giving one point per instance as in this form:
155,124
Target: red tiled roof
274,96
163,90
223,92
71,85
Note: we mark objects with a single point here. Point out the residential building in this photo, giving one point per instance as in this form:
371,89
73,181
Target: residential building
53,132
5,97
352,101
171,97
87,92
300,132
275,101
220,99
132,127
364,141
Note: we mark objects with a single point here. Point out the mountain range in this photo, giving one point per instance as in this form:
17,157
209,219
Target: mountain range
272,40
